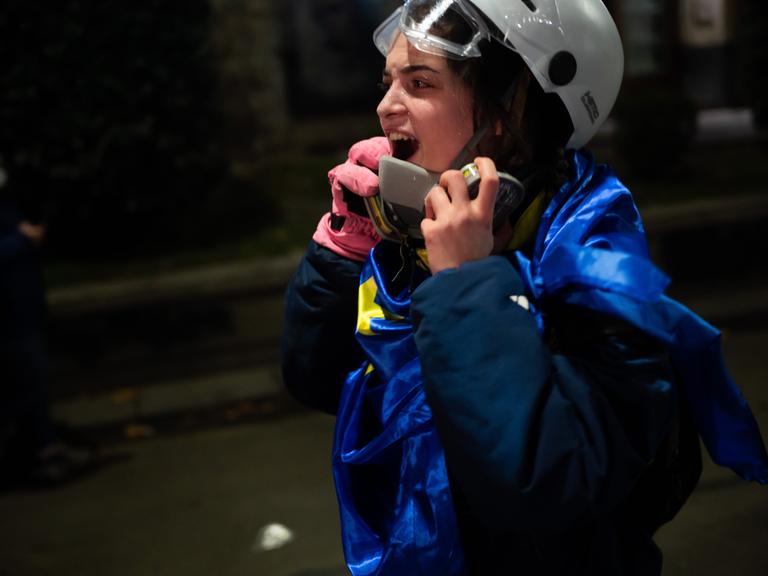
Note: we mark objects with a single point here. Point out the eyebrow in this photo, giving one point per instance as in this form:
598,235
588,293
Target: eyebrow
411,69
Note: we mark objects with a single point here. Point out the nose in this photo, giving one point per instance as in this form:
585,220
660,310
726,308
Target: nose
392,103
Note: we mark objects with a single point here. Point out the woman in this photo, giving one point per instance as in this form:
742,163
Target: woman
513,395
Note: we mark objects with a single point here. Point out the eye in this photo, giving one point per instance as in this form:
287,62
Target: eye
420,84
383,86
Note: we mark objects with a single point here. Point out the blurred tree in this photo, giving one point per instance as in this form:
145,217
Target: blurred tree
113,105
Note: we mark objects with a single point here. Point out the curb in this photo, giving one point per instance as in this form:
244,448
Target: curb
221,279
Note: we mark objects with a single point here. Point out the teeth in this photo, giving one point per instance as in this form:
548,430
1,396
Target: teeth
395,136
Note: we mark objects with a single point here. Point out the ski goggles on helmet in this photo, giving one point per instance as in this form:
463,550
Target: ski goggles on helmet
448,28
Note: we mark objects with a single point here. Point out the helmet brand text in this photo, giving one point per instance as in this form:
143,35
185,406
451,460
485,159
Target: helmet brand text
591,106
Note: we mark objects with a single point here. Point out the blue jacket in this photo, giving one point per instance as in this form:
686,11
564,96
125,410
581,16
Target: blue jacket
549,426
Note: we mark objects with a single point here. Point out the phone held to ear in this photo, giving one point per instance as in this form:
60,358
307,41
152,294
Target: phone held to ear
398,209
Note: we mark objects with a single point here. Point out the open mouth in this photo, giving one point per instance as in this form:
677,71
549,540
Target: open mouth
403,147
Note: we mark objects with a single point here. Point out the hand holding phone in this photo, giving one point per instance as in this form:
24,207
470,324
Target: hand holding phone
398,209
458,224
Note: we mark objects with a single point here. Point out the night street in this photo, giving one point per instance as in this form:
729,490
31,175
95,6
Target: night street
202,199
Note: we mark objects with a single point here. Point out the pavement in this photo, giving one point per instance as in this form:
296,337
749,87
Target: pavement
198,503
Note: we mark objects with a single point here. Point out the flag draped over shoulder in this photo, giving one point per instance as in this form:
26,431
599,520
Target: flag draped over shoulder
591,251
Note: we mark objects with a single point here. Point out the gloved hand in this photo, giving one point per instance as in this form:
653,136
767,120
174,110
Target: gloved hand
347,230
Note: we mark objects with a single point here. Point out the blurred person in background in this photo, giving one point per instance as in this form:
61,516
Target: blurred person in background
31,452
514,393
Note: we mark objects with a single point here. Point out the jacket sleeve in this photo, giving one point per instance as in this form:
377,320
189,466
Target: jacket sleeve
318,344
536,440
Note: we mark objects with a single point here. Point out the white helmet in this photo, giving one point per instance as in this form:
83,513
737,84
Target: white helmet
572,47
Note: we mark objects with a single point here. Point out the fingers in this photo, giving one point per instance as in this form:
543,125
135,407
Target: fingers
429,212
436,201
455,192
489,186
456,187
458,229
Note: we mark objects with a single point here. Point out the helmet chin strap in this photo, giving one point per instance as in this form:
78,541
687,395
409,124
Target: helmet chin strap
521,97
467,154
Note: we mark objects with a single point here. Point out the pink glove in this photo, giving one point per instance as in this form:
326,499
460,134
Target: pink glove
347,230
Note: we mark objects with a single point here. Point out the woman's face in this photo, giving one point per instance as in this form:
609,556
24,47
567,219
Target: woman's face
427,111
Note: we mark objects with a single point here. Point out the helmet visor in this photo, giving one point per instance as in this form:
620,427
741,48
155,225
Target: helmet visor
449,28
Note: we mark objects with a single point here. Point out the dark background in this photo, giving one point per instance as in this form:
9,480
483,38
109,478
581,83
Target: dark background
121,123
130,128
